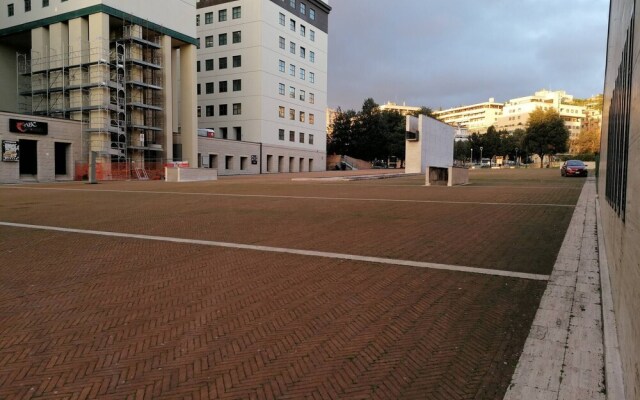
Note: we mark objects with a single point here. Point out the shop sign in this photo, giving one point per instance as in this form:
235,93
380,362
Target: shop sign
10,150
254,159
30,127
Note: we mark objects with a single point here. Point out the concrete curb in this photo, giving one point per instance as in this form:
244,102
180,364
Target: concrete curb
563,357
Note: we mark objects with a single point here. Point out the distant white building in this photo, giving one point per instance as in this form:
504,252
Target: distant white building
402,109
515,114
262,79
475,118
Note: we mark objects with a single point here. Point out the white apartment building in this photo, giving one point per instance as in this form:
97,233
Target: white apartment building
515,113
262,79
475,118
125,69
402,109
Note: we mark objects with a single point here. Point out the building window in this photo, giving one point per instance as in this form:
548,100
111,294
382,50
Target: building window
27,5
292,3
237,108
222,15
197,66
292,48
198,44
237,61
222,63
222,109
208,110
312,56
292,114
199,112
45,3
222,87
282,66
10,10
292,92
198,88
301,137
303,52
292,136
237,37
292,25
237,85
281,112
282,19
292,70
236,12
302,73
208,64
281,134
312,77
310,139
312,119
222,39
208,18
312,14
312,98
281,88
302,116
208,87
312,35
282,42
303,30
197,15
303,8
208,41
302,93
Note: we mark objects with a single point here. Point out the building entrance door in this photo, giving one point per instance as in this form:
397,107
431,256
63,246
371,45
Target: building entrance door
28,157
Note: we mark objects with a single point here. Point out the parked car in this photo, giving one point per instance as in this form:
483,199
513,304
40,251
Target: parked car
485,163
573,168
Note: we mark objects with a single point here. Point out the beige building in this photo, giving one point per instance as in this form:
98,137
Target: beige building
475,118
125,70
515,114
619,185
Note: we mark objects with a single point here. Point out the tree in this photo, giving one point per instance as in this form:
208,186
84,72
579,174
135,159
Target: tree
587,142
423,111
546,133
342,132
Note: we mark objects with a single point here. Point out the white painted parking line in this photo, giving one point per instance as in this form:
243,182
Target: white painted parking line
311,253
267,196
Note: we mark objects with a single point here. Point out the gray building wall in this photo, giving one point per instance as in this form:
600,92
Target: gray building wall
619,182
8,83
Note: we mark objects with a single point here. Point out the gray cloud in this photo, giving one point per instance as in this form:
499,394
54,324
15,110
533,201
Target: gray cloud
449,53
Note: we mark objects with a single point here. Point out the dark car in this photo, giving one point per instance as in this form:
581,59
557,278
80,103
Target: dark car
573,168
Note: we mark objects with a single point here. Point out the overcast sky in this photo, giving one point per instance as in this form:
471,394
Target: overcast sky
446,53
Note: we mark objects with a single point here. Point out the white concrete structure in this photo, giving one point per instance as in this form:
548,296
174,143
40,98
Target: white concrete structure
475,118
515,113
263,79
126,69
429,144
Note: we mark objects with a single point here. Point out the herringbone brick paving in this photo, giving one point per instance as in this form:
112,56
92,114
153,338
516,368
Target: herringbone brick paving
96,317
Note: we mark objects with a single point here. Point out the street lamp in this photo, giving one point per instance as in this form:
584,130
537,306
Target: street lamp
516,156
472,156
480,156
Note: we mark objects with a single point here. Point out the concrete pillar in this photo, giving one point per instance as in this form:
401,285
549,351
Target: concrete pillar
99,36
78,41
175,84
58,44
167,93
188,104
40,48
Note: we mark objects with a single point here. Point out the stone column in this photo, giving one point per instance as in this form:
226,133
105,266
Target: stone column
188,104
167,94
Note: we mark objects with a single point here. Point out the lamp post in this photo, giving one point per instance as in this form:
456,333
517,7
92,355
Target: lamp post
472,156
516,156
480,156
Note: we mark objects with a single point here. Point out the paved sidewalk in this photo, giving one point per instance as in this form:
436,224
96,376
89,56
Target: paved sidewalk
564,355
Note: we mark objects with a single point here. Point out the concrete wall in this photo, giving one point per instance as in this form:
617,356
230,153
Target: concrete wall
190,174
8,83
60,130
458,176
434,147
622,235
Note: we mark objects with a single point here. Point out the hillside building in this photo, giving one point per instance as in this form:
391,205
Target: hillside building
474,118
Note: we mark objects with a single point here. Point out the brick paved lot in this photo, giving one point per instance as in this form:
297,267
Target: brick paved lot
85,316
